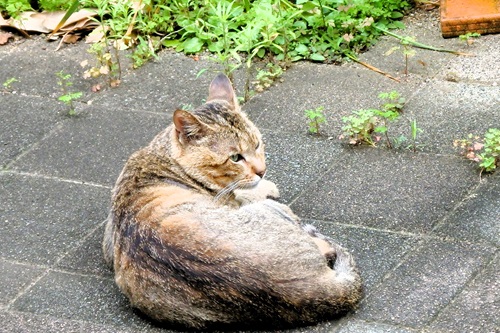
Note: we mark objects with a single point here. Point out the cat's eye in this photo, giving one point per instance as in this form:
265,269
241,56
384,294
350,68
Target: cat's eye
236,157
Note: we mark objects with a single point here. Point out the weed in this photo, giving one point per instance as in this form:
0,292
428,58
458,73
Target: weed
67,96
363,125
402,140
407,50
485,151
266,76
315,118
469,37
8,83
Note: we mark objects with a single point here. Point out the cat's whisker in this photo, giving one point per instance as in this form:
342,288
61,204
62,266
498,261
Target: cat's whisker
226,191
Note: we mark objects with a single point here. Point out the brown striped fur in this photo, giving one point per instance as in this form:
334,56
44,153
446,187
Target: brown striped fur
195,238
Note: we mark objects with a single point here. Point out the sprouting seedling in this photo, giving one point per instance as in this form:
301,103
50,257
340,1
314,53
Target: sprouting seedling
8,83
68,96
407,50
469,37
485,151
315,118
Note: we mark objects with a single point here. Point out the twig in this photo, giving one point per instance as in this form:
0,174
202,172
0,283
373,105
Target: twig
375,69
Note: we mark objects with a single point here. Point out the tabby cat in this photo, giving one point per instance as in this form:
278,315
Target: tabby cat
196,239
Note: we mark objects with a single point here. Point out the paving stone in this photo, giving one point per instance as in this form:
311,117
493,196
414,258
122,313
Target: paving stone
78,297
425,283
447,111
294,161
477,220
93,148
14,278
92,262
340,90
483,67
34,63
387,190
42,219
25,121
477,306
375,252
16,322
358,326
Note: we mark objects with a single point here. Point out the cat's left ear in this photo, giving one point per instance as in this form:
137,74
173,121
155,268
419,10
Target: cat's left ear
222,89
188,126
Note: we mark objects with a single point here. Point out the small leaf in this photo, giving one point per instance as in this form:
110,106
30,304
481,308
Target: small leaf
317,57
192,45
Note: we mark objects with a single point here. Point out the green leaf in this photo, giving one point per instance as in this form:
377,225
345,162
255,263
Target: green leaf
317,57
192,45
396,15
171,42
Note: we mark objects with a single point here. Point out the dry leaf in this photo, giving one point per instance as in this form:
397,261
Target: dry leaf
71,39
84,63
114,83
4,37
96,88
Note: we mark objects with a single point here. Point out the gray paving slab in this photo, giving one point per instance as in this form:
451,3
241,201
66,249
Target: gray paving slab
339,89
383,189
424,283
477,219
15,278
35,62
295,160
79,297
447,111
92,263
477,305
42,219
93,147
357,326
26,120
18,322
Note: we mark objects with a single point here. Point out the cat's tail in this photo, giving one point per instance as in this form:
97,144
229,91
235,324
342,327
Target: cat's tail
346,275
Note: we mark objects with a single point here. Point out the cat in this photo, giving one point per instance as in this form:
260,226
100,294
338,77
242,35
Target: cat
197,239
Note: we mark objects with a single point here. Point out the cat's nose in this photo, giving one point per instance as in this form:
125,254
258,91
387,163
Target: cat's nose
261,173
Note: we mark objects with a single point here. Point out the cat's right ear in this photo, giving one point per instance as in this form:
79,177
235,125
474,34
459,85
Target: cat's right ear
222,89
187,126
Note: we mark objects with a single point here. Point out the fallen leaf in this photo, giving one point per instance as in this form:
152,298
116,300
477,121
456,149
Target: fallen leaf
4,37
96,88
114,83
71,39
478,146
84,63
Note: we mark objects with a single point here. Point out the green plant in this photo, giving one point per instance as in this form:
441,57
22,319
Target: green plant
485,151
315,118
67,96
389,112
359,127
363,125
402,140
266,76
14,8
469,37
407,50
8,83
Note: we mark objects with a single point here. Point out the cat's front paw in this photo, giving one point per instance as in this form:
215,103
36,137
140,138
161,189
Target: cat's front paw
268,189
265,189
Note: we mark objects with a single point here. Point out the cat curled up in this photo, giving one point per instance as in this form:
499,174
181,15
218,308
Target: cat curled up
197,240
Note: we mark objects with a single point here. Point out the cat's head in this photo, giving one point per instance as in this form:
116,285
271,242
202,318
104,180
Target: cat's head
218,145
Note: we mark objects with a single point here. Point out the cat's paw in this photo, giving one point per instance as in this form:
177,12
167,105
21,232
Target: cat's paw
265,189
268,189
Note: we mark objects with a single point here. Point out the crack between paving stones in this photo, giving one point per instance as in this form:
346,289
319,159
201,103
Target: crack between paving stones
57,126
53,268
469,282
63,180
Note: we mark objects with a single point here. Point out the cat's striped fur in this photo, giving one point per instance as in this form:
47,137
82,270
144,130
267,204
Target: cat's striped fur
195,240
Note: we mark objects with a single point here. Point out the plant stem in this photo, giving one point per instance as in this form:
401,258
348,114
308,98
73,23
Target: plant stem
420,45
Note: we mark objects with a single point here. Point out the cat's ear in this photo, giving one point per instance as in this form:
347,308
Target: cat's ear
222,89
188,126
